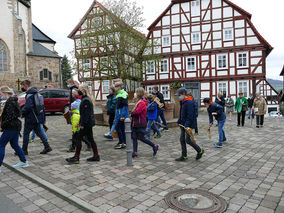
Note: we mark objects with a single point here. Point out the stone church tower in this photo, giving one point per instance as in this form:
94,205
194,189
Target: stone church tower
25,51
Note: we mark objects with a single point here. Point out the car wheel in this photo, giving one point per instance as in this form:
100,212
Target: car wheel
66,109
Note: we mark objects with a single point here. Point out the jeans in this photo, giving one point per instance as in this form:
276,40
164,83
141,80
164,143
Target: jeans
185,139
113,127
259,120
249,112
243,115
149,125
120,129
38,132
139,134
222,136
43,132
12,137
88,133
161,114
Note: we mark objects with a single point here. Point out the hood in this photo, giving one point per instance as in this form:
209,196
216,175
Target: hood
14,99
32,91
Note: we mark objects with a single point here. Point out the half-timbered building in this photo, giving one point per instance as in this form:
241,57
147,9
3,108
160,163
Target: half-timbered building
208,46
106,48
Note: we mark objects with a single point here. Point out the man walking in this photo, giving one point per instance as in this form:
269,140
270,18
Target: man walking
161,111
33,118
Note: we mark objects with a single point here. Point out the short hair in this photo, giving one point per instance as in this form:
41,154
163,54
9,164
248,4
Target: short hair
26,83
156,88
189,93
70,81
140,92
206,100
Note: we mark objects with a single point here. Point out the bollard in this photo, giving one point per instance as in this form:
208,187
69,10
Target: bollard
129,144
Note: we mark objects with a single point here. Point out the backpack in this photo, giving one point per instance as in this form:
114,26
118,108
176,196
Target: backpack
39,103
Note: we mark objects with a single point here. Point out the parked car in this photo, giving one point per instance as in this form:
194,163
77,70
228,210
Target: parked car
275,114
55,100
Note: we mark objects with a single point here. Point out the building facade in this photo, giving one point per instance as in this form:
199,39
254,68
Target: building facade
25,51
207,46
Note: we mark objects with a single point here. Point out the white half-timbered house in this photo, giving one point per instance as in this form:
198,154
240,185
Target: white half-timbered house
106,48
208,46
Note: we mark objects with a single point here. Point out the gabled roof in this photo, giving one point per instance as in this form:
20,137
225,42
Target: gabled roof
41,51
242,11
39,36
27,3
282,72
114,17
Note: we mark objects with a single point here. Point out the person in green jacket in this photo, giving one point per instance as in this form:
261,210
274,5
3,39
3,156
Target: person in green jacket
241,107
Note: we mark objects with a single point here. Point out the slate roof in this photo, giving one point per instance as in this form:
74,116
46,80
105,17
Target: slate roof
27,3
39,50
38,35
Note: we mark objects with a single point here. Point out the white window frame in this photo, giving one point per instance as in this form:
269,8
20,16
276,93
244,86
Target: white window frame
150,65
161,65
224,34
226,60
241,88
166,93
238,59
105,86
195,64
193,40
163,41
150,89
101,63
195,3
195,8
87,64
221,88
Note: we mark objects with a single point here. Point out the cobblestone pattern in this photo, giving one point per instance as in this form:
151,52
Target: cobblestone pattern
247,172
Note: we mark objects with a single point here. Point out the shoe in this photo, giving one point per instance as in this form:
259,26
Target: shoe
155,149
218,145
199,155
107,136
134,154
257,126
31,141
166,129
181,159
118,146
46,150
123,146
21,165
73,160
158,136
224,140
92,159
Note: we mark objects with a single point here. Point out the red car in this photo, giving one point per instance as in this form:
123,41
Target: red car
55,100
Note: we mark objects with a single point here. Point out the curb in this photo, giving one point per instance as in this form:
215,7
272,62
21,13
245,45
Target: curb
81,204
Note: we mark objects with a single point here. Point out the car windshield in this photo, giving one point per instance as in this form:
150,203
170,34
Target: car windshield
22,95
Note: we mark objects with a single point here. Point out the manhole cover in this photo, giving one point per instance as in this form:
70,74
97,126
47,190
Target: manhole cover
195,201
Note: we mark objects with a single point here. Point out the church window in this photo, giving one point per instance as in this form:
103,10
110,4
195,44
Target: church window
3,58
45,75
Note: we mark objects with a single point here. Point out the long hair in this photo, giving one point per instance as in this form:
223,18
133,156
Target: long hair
85,87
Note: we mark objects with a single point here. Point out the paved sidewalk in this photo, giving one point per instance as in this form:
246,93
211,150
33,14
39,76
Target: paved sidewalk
247,171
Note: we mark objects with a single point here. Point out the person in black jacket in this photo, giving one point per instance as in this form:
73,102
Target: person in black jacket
71,85
161,111
220,100
11,127
250,104
87,122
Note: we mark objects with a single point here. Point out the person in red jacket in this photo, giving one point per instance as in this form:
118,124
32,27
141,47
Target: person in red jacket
139,123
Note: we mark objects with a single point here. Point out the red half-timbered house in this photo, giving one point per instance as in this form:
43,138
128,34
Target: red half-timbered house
207,46
106,48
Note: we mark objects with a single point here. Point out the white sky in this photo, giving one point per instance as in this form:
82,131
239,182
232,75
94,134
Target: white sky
57,18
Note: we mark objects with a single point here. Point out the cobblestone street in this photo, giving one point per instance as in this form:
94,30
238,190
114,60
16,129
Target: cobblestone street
247,172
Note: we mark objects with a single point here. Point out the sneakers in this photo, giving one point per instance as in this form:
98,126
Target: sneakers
134,154
158,136
93,159
46,150
107,136
21,165
155,150
73,160
182,158
166,129
218,145
199,155
31,140
120,146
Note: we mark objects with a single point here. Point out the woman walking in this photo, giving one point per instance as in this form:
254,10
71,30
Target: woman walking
241,107
87,121
11,127
139,123
229,106
259,108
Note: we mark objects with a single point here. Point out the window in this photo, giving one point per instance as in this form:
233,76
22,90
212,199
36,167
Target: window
114,62
45,75
222,61
164,66
190,64
150,69
195,38
56,94
45,94
243,87
3,58
87,64
166,41
109,39
165,90
228,34
222,87
105,86
195,3
195,8
150,89
104,63
97,21
242,59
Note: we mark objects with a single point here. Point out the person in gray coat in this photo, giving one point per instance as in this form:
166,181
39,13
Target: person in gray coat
229,106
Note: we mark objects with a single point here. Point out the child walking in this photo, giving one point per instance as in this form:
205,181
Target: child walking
139,123
152,112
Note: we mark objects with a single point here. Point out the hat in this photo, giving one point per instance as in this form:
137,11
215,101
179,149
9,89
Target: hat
6,89
75,105
181,91
118,84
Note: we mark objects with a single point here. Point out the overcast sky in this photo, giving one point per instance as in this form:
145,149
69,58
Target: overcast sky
57,18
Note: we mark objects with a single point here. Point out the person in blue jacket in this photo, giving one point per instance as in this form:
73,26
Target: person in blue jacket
152,113
217,111
32,119
121,113
187,119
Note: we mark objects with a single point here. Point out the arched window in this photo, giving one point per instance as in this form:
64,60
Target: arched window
3,58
